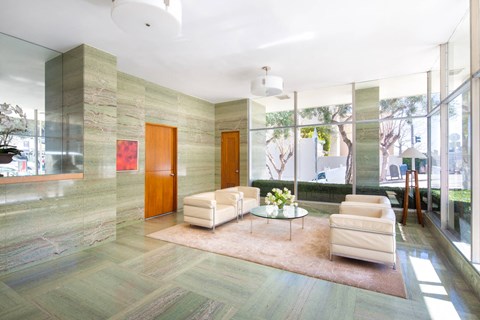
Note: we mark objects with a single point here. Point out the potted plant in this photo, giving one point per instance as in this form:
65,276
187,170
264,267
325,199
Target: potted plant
12,121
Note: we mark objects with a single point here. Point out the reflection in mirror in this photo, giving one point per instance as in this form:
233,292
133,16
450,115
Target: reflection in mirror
38,135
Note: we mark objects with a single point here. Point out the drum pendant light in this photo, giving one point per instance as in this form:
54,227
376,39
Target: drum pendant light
266,85
150,18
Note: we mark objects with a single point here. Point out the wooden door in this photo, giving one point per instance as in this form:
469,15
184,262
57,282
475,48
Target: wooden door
230,159
160,169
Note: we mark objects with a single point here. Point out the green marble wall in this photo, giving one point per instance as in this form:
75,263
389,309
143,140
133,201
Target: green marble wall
194,119
367,137
131,126
141,102
232,116
44,220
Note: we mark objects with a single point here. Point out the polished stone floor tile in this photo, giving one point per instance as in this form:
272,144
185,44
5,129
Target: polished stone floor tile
167,261
44,276
225,279
171,302
135,277
100,295
13,306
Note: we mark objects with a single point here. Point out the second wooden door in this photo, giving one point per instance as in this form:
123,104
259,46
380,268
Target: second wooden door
230,159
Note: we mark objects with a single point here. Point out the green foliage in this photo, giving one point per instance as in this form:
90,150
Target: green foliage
402,107
323,134
280,119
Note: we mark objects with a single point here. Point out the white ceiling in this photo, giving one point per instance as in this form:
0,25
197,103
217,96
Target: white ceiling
224,43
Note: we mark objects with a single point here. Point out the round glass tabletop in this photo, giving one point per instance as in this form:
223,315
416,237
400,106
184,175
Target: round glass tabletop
272,212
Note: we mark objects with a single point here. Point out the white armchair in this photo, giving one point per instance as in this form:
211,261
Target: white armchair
249,197
366,233
210,209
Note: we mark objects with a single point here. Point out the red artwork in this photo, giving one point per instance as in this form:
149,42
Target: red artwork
127,155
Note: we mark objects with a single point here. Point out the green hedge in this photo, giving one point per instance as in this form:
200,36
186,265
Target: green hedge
335,193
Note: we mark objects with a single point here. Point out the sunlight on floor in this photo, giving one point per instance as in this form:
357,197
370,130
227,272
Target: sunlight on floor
402,233
435,296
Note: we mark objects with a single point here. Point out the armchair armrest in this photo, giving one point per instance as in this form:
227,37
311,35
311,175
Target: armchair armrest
361,223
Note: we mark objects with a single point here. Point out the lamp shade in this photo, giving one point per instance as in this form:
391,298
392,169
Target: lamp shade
413,153
149,18
266,85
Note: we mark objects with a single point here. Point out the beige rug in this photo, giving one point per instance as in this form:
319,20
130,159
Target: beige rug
307,253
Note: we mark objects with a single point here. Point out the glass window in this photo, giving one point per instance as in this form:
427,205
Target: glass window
459,171
403,96
435,85
325,105
324,162
272,157
272,112
435,137
459,55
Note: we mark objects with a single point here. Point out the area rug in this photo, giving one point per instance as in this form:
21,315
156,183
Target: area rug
307,253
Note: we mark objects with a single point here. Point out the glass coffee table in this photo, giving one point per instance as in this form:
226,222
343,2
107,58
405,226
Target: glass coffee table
271,212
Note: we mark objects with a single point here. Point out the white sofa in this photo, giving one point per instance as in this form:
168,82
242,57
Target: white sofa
249,197
363,232
210,209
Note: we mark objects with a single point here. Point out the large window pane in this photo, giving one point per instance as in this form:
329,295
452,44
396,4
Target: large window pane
403,96
272,112
324,162
459,168
326,105
272,158
435,85
435,151
459,55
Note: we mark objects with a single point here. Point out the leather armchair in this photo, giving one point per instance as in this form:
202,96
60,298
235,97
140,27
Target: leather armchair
210,209
366,233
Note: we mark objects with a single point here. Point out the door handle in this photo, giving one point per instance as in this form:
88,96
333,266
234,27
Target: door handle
172,174
236,171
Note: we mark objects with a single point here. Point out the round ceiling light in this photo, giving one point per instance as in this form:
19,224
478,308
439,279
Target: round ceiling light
266,85
150,18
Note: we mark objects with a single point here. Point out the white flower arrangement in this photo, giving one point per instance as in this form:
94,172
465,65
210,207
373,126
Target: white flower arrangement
279,197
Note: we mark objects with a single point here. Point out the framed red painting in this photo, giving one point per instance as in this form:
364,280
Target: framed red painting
127,155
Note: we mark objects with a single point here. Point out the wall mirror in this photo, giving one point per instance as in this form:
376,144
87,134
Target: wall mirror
38,135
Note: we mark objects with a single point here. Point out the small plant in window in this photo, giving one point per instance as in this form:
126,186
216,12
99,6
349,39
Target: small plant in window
12,121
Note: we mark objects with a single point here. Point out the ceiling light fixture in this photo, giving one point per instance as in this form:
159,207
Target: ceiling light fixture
150,18
267,85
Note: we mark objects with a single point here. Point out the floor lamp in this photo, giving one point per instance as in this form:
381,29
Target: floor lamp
412,175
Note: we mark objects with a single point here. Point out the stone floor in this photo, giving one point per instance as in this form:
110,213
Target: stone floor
136,277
